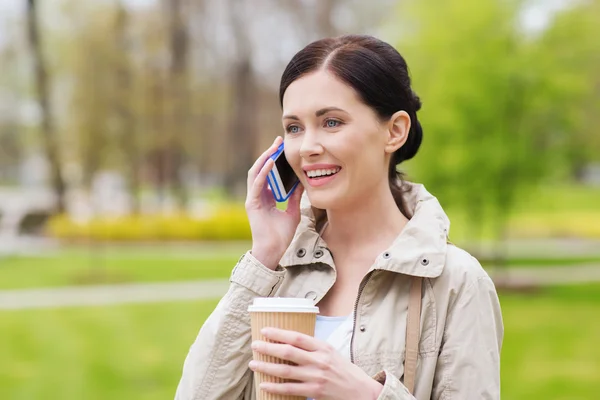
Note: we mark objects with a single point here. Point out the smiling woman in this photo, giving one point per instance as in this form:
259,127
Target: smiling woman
360,89
418,317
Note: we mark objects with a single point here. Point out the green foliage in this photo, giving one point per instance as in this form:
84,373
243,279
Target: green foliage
569,52
226,222
500,106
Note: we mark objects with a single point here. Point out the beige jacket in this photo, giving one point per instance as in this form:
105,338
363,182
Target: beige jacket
461,322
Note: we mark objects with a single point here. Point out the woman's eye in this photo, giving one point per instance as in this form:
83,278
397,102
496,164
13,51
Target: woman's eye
332,123
293,129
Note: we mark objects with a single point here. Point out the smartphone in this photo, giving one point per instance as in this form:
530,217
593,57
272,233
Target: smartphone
282,179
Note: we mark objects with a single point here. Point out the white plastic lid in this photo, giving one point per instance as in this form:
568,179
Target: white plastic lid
283,304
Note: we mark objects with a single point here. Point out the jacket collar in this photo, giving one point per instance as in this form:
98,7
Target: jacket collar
419,250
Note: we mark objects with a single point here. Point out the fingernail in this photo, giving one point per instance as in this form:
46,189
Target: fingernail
254,345
252,364
265,331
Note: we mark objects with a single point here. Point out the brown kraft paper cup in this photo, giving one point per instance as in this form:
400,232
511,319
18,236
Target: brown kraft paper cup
285,313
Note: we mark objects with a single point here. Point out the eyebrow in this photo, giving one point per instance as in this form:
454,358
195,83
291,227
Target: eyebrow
318,113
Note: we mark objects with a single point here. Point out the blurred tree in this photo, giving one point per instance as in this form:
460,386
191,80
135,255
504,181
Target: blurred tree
479,84
124,102
179,99
243,129
11,147
152,75
93,99
569,52
42,84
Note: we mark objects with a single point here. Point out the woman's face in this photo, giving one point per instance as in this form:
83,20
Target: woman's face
334,142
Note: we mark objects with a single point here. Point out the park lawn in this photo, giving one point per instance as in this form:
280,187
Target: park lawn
97,353
123,265
550,349
75,268
137,351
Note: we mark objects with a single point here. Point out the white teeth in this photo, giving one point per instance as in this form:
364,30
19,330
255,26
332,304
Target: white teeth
322,172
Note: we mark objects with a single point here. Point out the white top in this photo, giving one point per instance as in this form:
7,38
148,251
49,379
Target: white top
325,326
337,331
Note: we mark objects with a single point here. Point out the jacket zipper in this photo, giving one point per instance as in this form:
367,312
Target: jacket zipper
360,289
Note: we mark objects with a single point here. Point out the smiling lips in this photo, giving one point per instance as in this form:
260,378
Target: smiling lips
320,174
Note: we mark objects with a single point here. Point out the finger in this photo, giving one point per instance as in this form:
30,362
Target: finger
290,388
261,179
294,201
285,371
260,161
282,351
294,338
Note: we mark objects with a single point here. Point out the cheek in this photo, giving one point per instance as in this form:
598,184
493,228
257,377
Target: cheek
368,159
292,154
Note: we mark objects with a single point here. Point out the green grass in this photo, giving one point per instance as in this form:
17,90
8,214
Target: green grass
550,349
77,266
136,352
61,271
120,352
118,264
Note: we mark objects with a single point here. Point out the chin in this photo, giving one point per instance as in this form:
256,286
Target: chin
323,199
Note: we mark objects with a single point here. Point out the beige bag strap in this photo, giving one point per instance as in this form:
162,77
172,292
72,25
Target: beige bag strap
413,333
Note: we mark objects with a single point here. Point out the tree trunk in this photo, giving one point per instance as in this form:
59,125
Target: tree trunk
123,101
49,137
179,99
159,126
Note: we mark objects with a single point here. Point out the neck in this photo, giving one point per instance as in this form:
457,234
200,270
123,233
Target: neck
371,222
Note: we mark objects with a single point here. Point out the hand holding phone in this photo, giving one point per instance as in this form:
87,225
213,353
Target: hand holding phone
272,229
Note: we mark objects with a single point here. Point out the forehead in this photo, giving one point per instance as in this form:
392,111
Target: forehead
317,90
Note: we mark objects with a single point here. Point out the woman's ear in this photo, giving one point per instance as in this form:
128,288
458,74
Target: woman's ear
398,128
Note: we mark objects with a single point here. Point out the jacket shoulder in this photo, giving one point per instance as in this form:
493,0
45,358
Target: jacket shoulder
461,270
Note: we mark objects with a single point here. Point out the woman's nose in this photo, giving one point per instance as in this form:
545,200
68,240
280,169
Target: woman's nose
311,145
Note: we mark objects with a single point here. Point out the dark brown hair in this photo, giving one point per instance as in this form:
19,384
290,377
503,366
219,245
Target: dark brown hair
380,76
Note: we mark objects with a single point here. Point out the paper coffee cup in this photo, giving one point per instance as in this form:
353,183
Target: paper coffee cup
292,314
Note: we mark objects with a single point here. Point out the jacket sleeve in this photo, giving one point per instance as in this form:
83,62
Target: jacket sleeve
216,366
468,366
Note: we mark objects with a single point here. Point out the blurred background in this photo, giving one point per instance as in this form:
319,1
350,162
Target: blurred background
127,128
